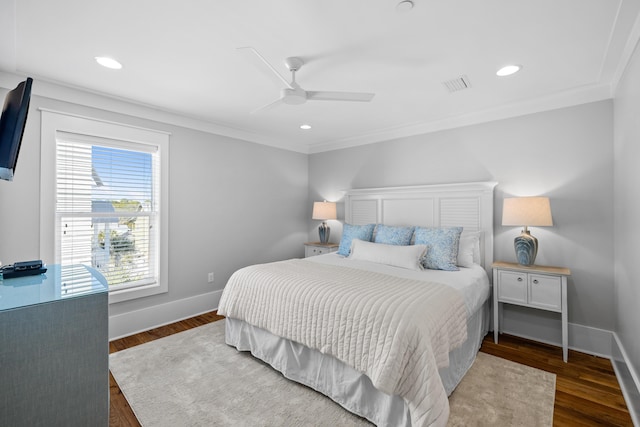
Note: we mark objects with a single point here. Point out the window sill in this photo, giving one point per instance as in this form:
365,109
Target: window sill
128,294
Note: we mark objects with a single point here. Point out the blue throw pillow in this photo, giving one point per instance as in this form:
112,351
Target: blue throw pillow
442,246
350,232
390,235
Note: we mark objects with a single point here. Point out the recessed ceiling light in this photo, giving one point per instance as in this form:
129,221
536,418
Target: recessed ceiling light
305,127
108,62
508,70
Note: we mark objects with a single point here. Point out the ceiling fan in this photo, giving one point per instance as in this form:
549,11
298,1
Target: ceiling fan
292,93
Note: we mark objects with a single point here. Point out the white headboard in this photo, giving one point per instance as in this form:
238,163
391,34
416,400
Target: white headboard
468,205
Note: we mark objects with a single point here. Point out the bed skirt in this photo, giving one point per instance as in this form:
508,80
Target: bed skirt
351,389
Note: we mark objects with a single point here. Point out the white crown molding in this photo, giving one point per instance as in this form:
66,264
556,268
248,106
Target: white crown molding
627,54
577,96
76,95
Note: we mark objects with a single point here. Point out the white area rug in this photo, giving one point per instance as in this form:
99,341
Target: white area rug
194,379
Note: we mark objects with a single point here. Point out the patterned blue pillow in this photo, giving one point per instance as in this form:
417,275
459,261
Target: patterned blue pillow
350,232
442,246
390,235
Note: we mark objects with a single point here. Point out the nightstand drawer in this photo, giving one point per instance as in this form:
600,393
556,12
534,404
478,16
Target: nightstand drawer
545,292
316,248
512,287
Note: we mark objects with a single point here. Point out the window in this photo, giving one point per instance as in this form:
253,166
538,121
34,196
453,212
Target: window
106,208
110,201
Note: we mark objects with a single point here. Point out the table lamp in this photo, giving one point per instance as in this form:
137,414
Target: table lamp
323,211
526,212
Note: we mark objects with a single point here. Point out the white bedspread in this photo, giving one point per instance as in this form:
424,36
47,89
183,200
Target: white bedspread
396,330
473,281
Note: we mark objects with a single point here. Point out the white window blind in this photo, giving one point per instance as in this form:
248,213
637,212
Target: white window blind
107,208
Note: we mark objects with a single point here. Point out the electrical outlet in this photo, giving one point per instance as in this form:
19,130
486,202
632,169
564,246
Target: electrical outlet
210,277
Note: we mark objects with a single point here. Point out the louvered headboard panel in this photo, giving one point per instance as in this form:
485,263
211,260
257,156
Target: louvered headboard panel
468,205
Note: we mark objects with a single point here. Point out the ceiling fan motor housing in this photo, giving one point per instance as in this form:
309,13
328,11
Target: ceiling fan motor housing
293,63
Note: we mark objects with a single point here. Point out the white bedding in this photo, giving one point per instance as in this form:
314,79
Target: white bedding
371,351
473,282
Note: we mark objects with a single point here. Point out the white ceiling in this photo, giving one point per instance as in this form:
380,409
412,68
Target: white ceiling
182,57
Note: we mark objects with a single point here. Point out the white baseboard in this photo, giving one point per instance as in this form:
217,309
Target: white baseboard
627,378
590,340
585,339
133,322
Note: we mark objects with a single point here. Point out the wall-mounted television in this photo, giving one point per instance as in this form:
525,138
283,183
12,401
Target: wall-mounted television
12,121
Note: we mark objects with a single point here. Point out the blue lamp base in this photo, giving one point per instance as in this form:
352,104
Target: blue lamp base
526,248
323,232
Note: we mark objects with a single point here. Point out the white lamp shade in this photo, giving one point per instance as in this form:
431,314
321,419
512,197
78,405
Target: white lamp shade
324,210
527,211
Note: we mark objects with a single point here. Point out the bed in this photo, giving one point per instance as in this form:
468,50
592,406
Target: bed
385,340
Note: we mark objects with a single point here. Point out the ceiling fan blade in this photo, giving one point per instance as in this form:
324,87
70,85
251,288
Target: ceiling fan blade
261,63
269,106
339,96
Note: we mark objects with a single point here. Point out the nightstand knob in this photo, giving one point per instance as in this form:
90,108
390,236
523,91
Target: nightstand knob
535,281
519,279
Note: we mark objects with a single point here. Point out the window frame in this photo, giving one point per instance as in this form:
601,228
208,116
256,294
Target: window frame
54,122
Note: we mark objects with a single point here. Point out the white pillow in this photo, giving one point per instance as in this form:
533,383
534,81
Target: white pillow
398,256
469,249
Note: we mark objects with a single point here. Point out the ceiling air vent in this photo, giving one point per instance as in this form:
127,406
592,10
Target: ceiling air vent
458,84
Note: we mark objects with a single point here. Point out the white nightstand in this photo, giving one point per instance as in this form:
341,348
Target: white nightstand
533,286
317,248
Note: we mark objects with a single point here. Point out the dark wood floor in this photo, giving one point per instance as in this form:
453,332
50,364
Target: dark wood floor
587,391
120,414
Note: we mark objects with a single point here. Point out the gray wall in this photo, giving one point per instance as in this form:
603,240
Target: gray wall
232,203
235,203
565,154
627,206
